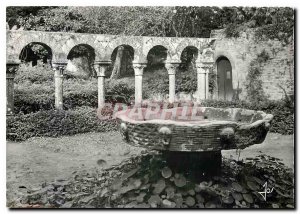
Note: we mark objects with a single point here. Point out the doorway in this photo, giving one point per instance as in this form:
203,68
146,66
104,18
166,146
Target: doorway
224,71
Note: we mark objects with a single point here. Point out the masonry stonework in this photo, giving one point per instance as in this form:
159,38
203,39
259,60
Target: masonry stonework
61,44
277,72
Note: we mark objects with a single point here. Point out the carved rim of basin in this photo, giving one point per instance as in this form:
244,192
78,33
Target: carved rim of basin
193,129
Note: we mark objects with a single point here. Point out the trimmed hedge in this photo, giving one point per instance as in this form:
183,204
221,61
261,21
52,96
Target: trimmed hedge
53,123
33,98
157,82
37,97
34,95
37,74
186,82
283,112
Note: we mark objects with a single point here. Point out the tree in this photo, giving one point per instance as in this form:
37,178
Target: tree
195,21
14,13
149,21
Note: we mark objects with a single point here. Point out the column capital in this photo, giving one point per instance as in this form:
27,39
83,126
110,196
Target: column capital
204,64
11,69
138,68
203,67
101,66
102,63
171,67
59,65
59,68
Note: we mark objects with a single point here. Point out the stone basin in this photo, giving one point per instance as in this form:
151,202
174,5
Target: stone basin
193,129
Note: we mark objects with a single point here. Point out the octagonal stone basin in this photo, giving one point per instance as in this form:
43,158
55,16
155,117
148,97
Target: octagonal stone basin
191,129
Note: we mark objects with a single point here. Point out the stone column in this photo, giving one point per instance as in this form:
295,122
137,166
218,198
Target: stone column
171,67
202,81
138,72
58,82
101,67
206,82
11,69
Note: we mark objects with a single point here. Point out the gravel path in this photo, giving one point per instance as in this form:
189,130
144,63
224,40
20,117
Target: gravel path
275,145
39,160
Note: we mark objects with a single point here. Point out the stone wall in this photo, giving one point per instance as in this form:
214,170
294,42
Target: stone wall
278,70
61,44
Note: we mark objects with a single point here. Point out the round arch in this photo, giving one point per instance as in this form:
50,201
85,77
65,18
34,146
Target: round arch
121,57
111,46
224,78
152,46
35,51
155,76
188,57
80,50
80,61
227,55
156,58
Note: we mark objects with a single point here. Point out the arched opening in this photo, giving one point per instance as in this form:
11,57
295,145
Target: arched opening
121,66
36,53
34,79
186,78
224,79
155,78
188,59
80,61
156,58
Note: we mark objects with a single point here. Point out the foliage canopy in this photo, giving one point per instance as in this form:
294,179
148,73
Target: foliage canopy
152,21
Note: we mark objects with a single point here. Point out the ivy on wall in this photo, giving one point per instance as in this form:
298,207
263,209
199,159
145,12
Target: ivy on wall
254,88
279,32
233,30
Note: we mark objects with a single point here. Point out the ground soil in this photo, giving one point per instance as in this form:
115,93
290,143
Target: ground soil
38,160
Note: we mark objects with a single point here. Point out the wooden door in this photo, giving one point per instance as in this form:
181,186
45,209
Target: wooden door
225,89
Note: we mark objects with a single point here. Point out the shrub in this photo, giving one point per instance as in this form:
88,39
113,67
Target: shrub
280,31
186,82
232,30
38,74
283,113
155,82
80,92
263,56
120,92
85,93
77,92
33,97
53,123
